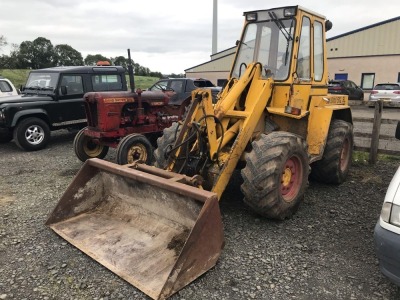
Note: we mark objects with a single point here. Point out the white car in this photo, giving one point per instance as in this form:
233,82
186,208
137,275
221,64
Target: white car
387,232
7,88
386,92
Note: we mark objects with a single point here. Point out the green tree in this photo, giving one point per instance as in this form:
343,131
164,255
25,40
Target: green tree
65,55
91,60
121,61
37,54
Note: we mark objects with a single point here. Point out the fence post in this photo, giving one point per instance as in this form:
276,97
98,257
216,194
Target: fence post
373,152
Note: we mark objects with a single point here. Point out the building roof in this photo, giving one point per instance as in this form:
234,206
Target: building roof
363,28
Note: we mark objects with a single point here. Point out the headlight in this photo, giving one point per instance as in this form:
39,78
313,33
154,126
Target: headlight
390,213
2,117
395,215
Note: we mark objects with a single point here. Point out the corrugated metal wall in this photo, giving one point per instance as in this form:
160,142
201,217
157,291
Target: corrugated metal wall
380,40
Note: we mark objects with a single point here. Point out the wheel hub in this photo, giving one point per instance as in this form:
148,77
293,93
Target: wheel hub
290,180
137,152
34,135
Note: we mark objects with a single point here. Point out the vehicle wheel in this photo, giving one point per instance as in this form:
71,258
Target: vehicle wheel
32,134
276,174
164,143
6,137
134,147
86,148
335,163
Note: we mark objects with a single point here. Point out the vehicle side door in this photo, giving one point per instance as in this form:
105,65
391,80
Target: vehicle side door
358,92
69,108
178,85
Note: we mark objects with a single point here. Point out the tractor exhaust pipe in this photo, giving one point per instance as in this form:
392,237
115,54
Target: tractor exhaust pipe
130,72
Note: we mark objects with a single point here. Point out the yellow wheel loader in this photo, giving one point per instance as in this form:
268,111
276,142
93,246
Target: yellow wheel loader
159,227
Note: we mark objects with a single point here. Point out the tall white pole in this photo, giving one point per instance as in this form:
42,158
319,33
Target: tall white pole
215,27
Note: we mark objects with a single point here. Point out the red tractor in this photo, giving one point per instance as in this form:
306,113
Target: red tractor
129,121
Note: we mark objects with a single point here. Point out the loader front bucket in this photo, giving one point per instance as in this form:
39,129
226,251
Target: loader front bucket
154,232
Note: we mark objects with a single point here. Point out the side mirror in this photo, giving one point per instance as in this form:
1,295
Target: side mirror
328,25
63,90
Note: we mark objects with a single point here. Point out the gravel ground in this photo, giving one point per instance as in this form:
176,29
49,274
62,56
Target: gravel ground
324,252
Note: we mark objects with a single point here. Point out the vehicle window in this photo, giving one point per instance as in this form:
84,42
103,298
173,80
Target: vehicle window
199,83
5,86
110,82
334,84
352,84
161,85
303,62
203,83
387,87
176,85
73,83
318,51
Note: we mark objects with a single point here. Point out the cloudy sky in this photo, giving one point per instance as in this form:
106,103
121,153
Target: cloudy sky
165,36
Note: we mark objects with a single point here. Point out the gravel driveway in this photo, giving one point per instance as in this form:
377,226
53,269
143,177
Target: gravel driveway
324,252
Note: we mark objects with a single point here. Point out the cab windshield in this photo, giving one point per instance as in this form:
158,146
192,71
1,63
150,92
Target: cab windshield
269,42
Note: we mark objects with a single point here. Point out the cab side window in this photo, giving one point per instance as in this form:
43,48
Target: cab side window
303,57
73,83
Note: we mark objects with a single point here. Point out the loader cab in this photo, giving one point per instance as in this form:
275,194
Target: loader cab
288,42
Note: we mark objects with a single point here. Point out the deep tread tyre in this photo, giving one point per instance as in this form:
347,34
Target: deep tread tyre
134,147
32,134
276,174
85,148
336,161
163,143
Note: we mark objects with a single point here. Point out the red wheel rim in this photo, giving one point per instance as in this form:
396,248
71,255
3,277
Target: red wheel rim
345,155
292,174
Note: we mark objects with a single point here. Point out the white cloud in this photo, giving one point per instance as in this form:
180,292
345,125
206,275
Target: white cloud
166,36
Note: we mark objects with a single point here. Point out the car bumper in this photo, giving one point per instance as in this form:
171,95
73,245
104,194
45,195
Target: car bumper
387,247
392,99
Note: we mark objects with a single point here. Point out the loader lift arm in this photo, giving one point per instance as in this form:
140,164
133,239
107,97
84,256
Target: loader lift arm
207,130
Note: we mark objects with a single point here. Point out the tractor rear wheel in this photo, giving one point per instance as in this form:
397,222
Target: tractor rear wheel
86,148
134,147
276,174
335,163
164,143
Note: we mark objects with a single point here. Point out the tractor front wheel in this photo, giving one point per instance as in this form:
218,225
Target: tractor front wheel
86,148
276,174
134,147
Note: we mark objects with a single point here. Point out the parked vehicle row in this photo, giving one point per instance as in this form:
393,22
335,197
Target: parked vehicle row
52,99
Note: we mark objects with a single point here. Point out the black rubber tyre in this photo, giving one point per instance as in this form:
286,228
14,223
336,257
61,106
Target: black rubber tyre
336,161
164,142
32,134
6,137
85,148
134,147
276,174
